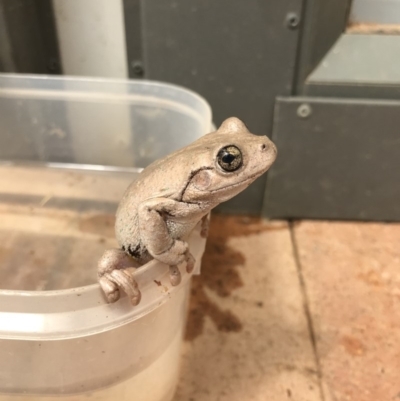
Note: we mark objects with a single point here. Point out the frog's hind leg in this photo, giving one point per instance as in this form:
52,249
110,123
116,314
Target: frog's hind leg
114,274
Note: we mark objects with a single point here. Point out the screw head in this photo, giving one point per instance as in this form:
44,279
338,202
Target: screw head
137,68
304,110
53,65
292,21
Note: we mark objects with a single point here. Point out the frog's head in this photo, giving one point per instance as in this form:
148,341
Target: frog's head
229,160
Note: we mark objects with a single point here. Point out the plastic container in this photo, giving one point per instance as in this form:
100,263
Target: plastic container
68,149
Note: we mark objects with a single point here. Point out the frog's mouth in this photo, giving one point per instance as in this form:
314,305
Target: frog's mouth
249,180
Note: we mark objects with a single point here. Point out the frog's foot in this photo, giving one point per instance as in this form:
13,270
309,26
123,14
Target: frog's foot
117,280
114,274
174,273
177,254
110,289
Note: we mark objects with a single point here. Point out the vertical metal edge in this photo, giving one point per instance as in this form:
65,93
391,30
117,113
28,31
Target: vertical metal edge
134,38
7,63
29,37
273,138
49,36
323,22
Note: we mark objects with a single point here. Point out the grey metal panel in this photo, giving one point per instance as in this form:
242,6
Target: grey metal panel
238,54
340,160
29,42
6,59
358,66
323,22
375,11
360,59
353,90
133,35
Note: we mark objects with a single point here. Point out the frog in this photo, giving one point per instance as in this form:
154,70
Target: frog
175,194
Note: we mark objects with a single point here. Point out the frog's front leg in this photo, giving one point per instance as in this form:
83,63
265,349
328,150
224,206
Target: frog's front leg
113,274
158,240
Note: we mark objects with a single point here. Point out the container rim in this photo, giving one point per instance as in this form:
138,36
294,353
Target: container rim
12,82
82,311
59,314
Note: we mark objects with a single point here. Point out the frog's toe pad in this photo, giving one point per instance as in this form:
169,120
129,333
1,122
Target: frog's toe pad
174,275
190,263
110,290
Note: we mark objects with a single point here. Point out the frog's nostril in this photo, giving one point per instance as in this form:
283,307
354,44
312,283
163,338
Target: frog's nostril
263,146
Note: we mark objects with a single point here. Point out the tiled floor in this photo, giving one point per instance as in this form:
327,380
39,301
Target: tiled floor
307,311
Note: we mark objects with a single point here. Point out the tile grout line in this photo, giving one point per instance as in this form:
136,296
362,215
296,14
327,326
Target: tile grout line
307,310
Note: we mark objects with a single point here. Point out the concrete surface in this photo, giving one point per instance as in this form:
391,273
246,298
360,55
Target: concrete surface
352,277
308,311
248,336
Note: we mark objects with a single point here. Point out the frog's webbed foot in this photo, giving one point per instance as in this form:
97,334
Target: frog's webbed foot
175,274
178,253
114,275
112,282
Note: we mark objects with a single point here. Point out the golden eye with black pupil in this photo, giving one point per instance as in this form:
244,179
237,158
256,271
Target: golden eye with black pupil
230,158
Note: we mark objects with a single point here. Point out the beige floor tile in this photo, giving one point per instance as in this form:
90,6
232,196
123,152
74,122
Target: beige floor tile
247,337
352,278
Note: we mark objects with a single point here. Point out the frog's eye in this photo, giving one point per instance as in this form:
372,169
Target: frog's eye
230,158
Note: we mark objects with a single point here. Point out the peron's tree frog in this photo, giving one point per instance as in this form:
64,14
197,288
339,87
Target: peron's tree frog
172,195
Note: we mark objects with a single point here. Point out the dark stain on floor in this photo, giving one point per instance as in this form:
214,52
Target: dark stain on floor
220,272
353,346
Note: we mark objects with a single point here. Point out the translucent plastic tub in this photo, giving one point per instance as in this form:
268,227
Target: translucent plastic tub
68,150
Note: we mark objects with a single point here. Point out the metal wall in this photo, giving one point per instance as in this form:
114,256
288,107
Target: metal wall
340,160
239,55
337,155
28,39
375,11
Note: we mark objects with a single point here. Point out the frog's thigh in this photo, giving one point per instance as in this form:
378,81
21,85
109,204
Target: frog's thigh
152,225
115,259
